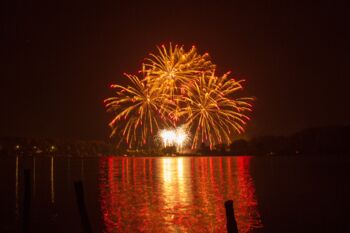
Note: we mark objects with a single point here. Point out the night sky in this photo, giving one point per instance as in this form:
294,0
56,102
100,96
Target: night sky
58,59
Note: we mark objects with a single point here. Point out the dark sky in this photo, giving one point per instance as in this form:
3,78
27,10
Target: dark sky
59,58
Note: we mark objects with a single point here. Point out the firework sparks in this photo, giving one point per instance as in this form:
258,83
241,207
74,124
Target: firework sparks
178,87
212,111
138,109
173,67
176,137
168,137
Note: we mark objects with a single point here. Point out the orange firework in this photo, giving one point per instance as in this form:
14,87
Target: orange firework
173,67
179,87
212,111
139,110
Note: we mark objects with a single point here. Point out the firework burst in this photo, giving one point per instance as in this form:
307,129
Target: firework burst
178,87
212,111
139,110
174,137
172,68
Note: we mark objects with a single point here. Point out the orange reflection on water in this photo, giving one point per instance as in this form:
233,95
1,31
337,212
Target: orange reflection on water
177,194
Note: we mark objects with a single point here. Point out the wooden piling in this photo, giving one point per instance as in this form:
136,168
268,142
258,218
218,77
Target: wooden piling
79,193
231,223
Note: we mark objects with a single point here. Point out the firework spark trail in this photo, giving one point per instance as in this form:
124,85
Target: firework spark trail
179,87
173,67
138,109
212,112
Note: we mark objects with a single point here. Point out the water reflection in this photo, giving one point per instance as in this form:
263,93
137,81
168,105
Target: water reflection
16,188
34,176
176,194
52,180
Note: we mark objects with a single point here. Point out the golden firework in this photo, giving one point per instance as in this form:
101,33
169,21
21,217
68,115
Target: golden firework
173,68
179,87
139,110
212,111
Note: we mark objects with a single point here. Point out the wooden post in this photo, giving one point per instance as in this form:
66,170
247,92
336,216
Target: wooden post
79,193
26,202
231,223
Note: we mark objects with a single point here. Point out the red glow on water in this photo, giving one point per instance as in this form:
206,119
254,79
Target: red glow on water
176,194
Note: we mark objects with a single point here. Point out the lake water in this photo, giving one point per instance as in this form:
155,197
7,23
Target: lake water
179,194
